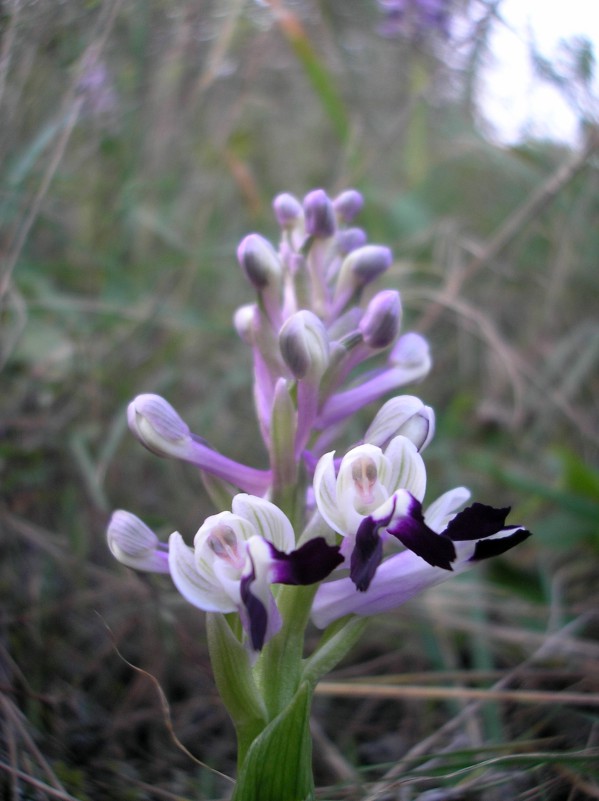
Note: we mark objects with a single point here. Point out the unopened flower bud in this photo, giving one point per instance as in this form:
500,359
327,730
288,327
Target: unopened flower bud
411,350
380,324
350,239
134,544
320,215
158,426
244,321
259,261
348,204
367,263
404,415
304,345
288,210
359,268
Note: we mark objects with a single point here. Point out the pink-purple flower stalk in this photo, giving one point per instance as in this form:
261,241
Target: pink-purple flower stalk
315,324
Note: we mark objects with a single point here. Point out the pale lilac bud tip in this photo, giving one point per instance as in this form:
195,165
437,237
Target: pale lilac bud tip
348,204
350,239
288,210
161,416
410,350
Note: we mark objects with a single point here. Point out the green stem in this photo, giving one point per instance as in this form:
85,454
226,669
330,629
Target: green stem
280,665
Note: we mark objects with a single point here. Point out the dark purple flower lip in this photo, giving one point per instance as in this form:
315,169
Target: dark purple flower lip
479,522
368,549
308,564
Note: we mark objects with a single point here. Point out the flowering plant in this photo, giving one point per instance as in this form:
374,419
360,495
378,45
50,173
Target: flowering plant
315,537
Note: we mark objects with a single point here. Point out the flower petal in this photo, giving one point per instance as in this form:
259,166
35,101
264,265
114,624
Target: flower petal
259,614
410,529
407,467
201,590
441,511
368,549
310,563
266,518
500,543
325,492
397,579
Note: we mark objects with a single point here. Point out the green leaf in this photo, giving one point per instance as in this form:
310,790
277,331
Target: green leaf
579,477
278,764
235,681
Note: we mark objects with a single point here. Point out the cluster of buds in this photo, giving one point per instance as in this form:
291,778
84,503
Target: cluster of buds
315,321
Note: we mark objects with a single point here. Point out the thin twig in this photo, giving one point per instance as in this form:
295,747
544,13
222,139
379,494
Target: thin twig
367,690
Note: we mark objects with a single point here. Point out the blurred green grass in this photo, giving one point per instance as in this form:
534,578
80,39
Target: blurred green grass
140,141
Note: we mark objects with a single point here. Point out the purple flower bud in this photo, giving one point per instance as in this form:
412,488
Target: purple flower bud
259,261
320,215
348,204
158,426
304,344
135,545
245,323
350,239
410,350
380,324
403,415
367,263
288,210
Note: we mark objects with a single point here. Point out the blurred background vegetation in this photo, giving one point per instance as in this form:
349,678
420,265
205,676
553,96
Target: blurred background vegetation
140,140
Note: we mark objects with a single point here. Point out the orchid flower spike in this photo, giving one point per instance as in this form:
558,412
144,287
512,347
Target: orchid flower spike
237,555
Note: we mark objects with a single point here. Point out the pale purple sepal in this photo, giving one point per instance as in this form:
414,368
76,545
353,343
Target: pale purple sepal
397,579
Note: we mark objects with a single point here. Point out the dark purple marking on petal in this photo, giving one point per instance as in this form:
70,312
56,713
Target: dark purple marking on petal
485,549
366,555
368,550
411,530
476,523
256,611
310,563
